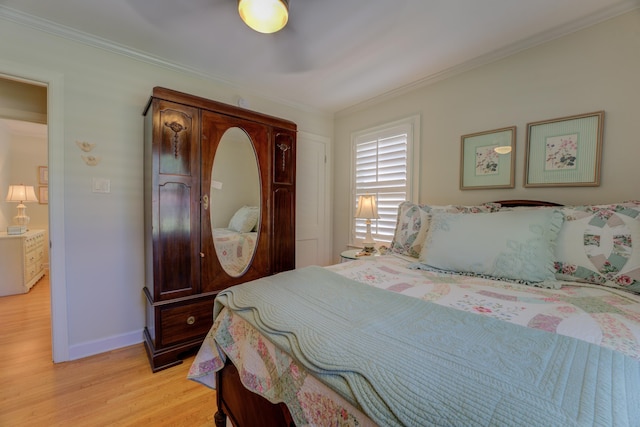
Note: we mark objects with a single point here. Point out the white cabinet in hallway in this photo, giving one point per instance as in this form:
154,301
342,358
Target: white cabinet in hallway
22,261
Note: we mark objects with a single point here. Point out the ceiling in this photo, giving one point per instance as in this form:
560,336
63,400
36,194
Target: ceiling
333,54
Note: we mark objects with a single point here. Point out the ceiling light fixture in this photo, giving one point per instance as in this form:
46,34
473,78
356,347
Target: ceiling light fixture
264,16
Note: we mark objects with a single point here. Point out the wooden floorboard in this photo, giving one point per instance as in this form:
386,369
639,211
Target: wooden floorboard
110,389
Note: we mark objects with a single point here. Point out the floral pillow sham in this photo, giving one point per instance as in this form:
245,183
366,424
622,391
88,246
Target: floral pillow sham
600,244
413,224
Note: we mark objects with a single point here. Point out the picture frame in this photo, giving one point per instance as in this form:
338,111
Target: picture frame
487,159
564,152
43,195
43,175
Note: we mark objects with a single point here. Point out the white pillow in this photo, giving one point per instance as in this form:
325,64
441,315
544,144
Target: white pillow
413,224
245,219
515,245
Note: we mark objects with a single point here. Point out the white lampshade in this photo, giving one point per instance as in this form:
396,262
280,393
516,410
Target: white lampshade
21,194
367,207
264,16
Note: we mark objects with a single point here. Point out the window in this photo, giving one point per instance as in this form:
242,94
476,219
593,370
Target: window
384,162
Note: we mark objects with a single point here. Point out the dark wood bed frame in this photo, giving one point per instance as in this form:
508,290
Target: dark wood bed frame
248,409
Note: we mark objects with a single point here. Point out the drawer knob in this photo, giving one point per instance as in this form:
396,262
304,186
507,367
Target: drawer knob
191,320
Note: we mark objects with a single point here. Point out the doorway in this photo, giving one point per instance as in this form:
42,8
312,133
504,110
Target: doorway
24,161
53,82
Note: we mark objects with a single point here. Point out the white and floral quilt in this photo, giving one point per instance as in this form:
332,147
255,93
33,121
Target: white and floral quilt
601,315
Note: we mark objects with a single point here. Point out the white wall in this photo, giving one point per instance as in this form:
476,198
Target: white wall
593,69
104,94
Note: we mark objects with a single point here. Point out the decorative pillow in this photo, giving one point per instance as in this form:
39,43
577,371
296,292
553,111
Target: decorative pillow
413,224
245,219
514,245
596,245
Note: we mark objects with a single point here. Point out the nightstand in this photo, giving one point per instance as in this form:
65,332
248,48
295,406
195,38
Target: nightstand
352,254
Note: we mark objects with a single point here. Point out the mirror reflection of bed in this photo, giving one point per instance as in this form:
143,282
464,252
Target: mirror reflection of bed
235,201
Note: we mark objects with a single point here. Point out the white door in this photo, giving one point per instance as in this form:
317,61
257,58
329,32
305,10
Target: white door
313,241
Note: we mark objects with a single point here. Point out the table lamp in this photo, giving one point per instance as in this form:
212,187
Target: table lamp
21,194
367,209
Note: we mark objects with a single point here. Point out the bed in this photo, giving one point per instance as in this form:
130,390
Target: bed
236,243
444,329
234,249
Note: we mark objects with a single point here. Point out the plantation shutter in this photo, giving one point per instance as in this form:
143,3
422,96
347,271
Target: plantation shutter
380,168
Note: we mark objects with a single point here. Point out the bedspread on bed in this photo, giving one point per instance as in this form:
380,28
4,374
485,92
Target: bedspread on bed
445,368
596,314
234,249
272,373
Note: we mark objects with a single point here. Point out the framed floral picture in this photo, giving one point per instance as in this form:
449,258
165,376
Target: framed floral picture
564,152
487,159
43,175
43,195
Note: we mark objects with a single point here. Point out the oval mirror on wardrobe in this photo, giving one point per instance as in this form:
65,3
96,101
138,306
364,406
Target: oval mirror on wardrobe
235,188
235,202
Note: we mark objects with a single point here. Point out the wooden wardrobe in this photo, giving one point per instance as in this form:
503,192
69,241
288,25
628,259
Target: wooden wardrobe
184,204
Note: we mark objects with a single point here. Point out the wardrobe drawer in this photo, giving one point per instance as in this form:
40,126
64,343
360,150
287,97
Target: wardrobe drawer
185,322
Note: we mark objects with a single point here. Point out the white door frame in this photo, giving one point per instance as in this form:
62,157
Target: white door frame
55,128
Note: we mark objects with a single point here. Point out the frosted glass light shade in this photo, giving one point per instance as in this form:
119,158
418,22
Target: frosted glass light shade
264,16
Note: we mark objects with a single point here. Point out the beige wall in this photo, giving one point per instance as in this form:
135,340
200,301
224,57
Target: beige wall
593,69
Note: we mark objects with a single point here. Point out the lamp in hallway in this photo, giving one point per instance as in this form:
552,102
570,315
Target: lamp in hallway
21,194
367,209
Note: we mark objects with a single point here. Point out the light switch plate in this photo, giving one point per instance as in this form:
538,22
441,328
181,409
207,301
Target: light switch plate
101,185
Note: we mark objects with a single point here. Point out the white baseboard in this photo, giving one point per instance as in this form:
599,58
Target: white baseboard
90,348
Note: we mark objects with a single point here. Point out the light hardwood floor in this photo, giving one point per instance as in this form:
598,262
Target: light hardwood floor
111,389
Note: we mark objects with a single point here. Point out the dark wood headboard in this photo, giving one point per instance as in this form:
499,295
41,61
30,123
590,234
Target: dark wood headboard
516,202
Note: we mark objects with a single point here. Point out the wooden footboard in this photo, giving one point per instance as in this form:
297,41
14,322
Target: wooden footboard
243,407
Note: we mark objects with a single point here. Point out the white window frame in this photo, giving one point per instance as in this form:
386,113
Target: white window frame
381,229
